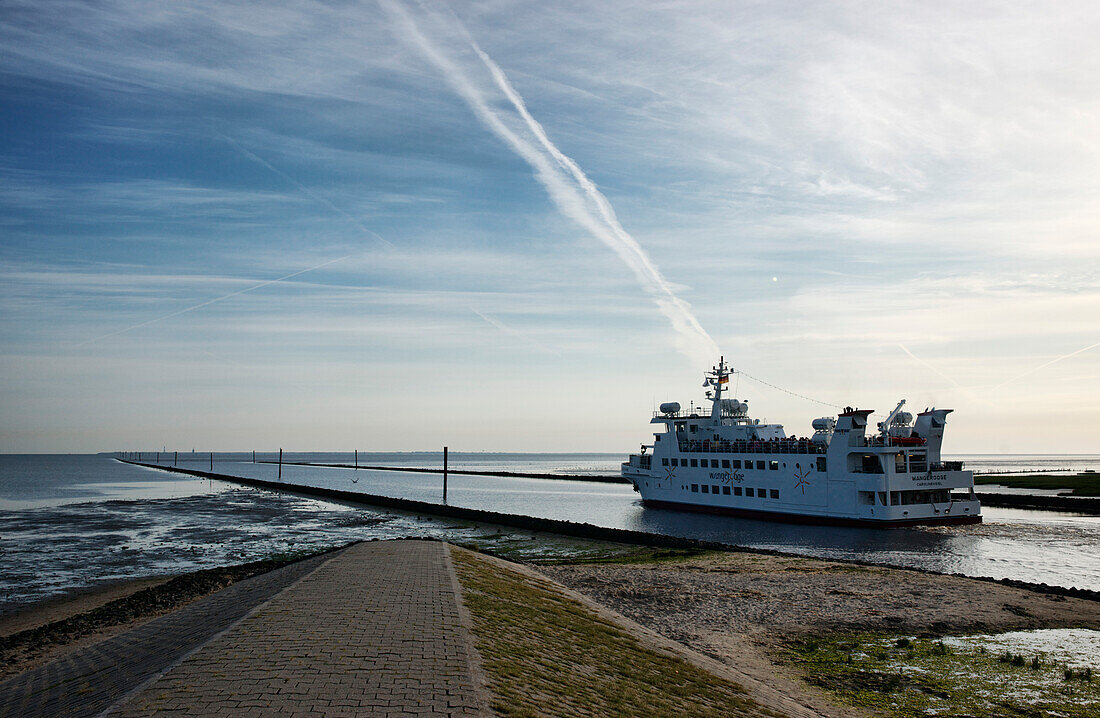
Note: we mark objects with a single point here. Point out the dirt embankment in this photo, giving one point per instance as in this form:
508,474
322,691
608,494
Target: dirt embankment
739,607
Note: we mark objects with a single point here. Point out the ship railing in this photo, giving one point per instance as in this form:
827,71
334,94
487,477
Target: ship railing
640,461
697,412
947,466
777,446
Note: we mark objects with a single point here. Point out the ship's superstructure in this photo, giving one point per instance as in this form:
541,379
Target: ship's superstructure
727,462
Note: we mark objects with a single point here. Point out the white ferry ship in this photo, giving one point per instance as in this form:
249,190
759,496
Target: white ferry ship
726,462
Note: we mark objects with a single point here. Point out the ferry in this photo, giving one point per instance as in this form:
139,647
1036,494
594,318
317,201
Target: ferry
726,462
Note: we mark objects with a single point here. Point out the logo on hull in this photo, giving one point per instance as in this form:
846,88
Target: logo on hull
802,475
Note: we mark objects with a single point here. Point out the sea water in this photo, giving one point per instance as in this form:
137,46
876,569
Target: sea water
67,522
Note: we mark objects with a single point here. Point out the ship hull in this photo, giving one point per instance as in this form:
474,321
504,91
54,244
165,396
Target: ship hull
821,520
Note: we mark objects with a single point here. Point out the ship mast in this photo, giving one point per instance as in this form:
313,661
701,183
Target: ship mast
718,377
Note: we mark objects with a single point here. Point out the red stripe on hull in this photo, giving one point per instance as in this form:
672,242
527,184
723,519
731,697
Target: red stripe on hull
808,519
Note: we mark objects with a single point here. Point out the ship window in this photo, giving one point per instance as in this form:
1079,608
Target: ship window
865,463
736,490
714,463
748,492
821,463
895,498
695,488
737,463
775,493
759,465
909,498
664,462
725,463
899,463
882,497
714,489
695,462
706,489
773,465
694,428
726,490
675,462
867,498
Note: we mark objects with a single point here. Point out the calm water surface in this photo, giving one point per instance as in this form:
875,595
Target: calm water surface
73,521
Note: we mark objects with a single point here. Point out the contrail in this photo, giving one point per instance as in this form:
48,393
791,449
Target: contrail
957,385
1043,366
301,188
518,334
210,301
929,366
305,190
389,245
575,195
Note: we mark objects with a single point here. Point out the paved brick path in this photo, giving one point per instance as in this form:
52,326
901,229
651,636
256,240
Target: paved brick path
89,680
374,631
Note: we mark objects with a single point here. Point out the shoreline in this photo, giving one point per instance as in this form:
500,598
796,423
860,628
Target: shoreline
75,602
581,530
47,630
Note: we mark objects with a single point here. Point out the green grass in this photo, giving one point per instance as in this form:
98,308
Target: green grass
548,655
909,677
1084,484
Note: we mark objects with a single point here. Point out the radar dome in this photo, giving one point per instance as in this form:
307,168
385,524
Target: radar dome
670,407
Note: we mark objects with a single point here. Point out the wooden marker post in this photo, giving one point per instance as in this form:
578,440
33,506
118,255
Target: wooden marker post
444,474
357,458
176,459
211,462
280,464
253,456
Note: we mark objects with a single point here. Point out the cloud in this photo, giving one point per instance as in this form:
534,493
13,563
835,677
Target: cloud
569,188
922,175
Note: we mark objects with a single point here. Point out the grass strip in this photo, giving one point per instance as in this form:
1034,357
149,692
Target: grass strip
546,654
1086,483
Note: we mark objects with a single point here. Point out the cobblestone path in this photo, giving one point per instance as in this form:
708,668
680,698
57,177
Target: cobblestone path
375,631
89,680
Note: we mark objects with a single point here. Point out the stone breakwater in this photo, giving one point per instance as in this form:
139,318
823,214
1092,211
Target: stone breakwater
597,478
569,528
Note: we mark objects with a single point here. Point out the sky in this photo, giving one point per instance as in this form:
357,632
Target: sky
517,226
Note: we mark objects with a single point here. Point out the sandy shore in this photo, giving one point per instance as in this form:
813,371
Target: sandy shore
62,607
741,607
773,597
